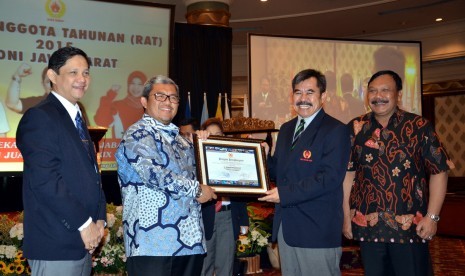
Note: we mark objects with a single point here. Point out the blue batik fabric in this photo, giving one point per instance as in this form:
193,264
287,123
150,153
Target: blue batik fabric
156,173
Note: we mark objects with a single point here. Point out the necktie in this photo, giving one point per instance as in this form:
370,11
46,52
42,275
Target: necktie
299,130
82,133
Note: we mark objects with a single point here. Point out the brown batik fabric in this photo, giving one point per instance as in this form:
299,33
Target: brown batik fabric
391,164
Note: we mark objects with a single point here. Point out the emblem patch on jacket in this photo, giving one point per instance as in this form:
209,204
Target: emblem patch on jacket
306,155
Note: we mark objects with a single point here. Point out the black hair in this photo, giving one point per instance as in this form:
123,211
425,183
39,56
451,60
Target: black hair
60,56
393,74
309,73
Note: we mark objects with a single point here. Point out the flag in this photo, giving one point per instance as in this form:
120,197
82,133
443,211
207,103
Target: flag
204,109
245,112
187,113
219,113
226,108
360,89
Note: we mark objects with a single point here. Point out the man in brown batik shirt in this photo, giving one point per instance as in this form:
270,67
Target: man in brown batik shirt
387,206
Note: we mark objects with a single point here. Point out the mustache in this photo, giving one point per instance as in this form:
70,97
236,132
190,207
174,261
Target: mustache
304,103
379,101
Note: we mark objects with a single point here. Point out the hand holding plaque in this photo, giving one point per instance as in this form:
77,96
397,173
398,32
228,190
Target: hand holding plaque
232,165
205,194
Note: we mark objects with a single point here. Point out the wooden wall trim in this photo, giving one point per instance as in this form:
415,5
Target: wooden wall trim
444,88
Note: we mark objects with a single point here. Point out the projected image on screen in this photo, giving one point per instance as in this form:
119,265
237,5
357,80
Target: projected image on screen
127,42
347,65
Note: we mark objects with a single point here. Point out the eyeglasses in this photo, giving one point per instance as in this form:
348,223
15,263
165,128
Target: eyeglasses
162,97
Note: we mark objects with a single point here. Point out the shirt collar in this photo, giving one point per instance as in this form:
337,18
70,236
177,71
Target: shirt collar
171,128
308,120
72,109
395,118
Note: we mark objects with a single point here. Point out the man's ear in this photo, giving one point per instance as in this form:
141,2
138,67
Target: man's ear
143,101
323,96
52,76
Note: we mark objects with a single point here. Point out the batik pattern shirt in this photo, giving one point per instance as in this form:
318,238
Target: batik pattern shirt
391,165
156,173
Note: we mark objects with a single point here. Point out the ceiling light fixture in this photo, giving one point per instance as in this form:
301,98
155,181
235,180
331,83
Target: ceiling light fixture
263,0
439,19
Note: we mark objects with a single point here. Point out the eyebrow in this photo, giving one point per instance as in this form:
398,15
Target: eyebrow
308,90
166,93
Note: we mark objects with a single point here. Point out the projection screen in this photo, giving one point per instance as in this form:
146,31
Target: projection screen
127,41
347,65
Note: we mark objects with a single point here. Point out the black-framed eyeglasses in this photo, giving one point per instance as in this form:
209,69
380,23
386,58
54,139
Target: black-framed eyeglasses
162,97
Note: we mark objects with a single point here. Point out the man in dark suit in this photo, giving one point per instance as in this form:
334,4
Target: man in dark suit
264,103
308,166
64,205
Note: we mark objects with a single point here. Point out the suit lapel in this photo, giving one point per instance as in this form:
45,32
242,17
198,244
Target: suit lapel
308,136
286,133
306,139
90,144
70,128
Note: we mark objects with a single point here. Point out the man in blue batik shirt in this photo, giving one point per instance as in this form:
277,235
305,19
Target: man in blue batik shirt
163,228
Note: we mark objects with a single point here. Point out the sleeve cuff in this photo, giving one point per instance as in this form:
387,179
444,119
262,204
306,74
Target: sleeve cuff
85,224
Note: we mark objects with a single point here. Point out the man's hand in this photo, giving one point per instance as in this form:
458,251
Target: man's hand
23,70
348,215
91,237
266,147
207,194
101,227
202,134
347,228
271,196
426,228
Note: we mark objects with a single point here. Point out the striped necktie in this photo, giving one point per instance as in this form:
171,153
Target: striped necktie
298,132
82,133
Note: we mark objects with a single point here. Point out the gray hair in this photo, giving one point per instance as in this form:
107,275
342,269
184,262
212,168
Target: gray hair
160,79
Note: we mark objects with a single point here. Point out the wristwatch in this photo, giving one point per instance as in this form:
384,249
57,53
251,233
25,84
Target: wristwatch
199,192
433,217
